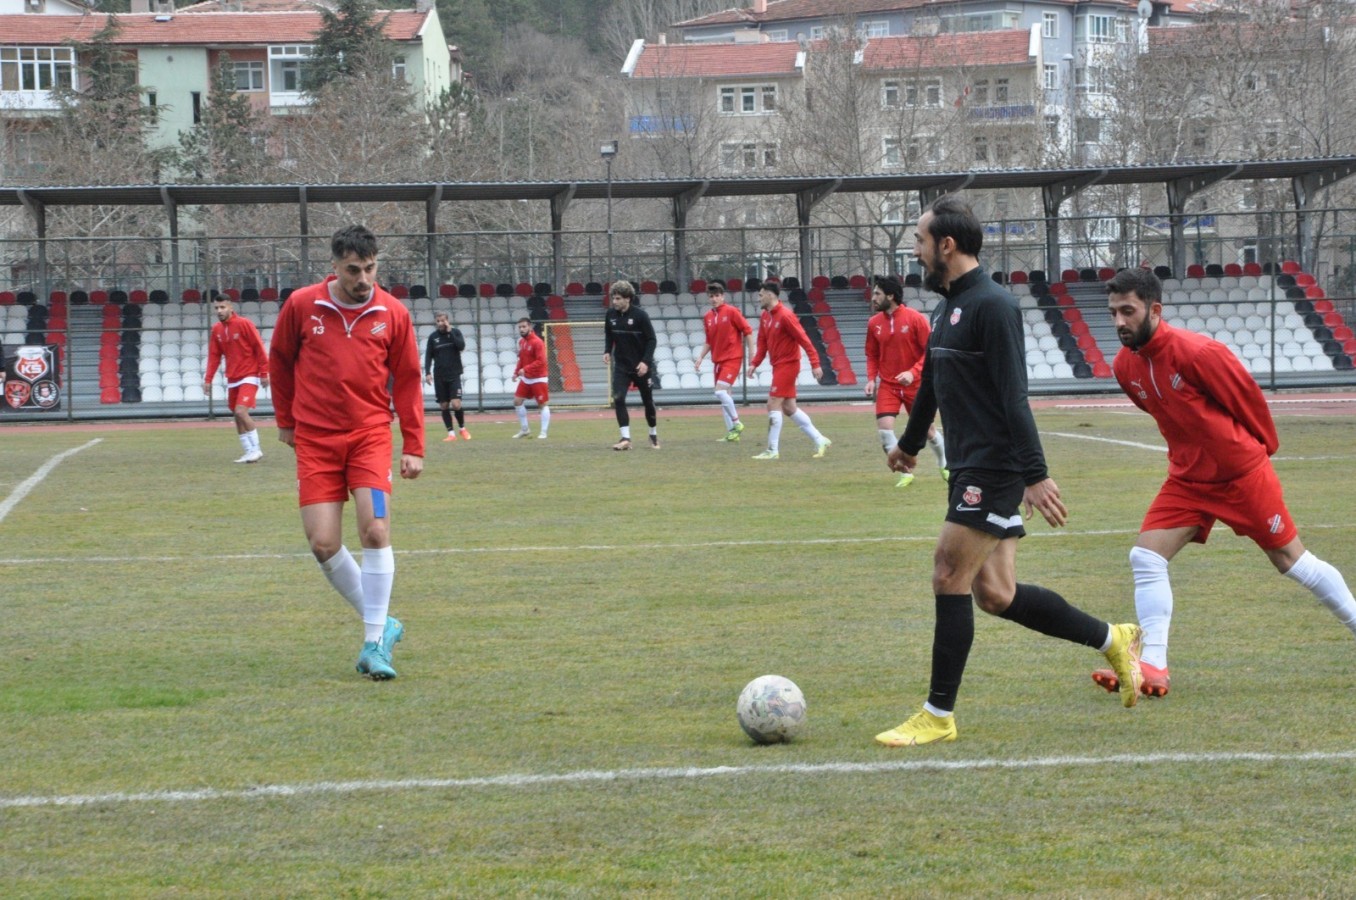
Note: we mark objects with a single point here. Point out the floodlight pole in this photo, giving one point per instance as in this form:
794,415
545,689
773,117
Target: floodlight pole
608,152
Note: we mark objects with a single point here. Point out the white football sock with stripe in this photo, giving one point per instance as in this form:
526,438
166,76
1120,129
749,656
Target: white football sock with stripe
1327,584
802,420
343,573
774,429
727,409
887,439
1153,603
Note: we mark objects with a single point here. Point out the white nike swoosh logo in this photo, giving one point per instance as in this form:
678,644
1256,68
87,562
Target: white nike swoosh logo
960,508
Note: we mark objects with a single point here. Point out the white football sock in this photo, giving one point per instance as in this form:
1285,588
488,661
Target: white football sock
522,416
625,432
727,409
378,574
1153,603
1327,584
774,429
887,439
939,449
545,418
803,422
245,441
343,573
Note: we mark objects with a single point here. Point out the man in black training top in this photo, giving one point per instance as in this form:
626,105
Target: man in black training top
442,369
974,374
628,343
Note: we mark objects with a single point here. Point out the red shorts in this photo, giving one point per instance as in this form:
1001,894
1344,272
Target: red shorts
241,395
331,464
539,392
1251,505
784,381
891,398
728,372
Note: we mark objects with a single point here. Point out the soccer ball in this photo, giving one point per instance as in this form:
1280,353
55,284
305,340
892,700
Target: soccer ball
771,710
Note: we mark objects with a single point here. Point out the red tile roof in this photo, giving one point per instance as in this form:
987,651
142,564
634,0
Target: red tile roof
987,48
787,10
197,29
694,60
979,48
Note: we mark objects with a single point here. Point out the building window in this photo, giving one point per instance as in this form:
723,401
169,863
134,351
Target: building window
1051,77
1052,131
889,94
779,34
153,104
1000,91
923,93
398,68
1092,79
36,68
979,93
748,156
1099,29
981,151
748,100
287,62
875,28
991,21
1088,130
1050,24
892,154
249,76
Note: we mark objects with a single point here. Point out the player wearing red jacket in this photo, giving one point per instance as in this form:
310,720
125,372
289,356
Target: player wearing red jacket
729,340
533,380
235,339
781,338
1220,441
336,347
896,345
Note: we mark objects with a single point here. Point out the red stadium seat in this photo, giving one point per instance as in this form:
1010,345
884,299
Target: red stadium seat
734,284
269,293
1314,292
1343,333
1101,370
1233,270
192,295
1058,288
1078,326
820,283
486,289
110,395
1106,273
447,291
1195,270
1068,301
1304,280
1333,319
1290,267
1252,268
574,289
1069,276
1349,346
1017,277
99,297
857,282
1322,306
523,289
138,297
698,286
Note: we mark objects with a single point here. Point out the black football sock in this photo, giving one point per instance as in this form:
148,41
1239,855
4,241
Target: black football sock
1041,609
461,417
952,635
447,419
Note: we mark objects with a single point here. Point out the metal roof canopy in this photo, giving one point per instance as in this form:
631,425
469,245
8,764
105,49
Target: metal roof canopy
1180,180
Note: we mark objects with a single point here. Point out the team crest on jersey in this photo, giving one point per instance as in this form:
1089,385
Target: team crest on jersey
955,315
1275,524
379,328
1176,381
972,495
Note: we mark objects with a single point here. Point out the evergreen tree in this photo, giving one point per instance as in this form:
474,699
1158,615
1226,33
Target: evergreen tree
349,44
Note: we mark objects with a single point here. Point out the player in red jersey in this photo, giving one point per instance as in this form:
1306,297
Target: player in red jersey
235,339
729,340
781,338
1220,441
336,347
896,343
533,380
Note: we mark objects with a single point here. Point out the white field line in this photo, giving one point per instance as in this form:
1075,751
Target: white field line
692,773
27,485
1102,440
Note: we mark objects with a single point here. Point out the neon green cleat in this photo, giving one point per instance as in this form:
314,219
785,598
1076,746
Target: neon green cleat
733,434
821,448
1123,654
946,474
766,454
923,728
905,479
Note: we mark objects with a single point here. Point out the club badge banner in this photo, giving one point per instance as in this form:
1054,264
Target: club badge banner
32,380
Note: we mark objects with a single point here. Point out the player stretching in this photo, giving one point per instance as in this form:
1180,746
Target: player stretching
729,340
781,338
1220,441
442,369
336,347
896,341
533,380
235,338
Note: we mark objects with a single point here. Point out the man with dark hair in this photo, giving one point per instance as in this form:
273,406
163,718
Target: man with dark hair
896,339
975,376
342,352
781,338
1221,438
534,379
235,339
729,340
629,342
442,369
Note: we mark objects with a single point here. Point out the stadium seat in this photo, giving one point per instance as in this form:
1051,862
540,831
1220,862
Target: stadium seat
1106,273
1290,267
1195,270
1252,268
1069,276
1017,277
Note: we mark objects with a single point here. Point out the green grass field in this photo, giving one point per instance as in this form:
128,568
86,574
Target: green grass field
182,718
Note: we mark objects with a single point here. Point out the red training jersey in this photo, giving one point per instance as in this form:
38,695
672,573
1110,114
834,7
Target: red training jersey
331,364
238,341
726,328
532,356
896,343
1208,408
781,338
